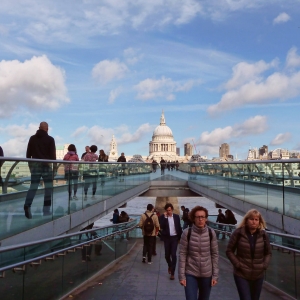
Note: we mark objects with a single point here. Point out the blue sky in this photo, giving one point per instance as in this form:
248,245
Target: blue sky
222,71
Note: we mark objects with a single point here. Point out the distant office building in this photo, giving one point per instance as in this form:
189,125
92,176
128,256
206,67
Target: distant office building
263,152
61,151
224,150
253,154
188,149
177,151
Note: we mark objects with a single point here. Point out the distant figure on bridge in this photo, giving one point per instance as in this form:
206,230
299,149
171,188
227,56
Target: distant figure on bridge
42,146
185,217
162,166
221,219
90,172
230,218
154,165
102,156
171,232
122,158
198,268
150,227
71,171
87,150
250,252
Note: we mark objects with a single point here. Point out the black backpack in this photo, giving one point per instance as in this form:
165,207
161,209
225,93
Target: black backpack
148,225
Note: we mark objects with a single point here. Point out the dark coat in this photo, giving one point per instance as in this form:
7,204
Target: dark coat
121,159
164,226
239,253
42,146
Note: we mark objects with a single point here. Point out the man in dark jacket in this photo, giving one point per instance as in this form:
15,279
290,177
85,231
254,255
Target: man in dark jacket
122,158
171,232
41,146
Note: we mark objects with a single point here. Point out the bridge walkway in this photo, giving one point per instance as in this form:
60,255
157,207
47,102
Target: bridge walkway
130,279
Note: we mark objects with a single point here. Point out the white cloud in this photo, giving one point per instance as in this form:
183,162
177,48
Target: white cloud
79,131
252,88
162,88
281,18
114,94
132,56
292,58
101,136
34,84
52,21
18,136
244,72
210,141
109,70
281,138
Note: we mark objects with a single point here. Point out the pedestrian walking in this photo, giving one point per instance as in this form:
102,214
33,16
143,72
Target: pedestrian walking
171,232
41,146
150,227
249,251
198,257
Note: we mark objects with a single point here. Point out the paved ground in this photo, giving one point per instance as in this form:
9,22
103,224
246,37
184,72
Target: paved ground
130,279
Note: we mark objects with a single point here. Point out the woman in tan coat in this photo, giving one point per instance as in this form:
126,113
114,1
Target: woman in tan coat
249,251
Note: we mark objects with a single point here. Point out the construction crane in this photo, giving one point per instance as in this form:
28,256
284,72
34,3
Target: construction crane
196,152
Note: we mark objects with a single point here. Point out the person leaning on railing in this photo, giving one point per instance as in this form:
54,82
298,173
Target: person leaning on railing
250,252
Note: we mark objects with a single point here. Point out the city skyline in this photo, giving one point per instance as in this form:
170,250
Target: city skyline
222,71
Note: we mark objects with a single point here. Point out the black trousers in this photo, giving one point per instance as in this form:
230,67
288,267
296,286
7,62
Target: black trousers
148,246
171,243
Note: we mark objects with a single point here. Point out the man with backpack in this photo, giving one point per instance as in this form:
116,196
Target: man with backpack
150,226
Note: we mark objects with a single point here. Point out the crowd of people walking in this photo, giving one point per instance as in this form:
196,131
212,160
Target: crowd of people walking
248,249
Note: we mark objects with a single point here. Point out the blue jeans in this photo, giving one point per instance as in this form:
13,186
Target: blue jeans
171,243
248,289
39,170
195,284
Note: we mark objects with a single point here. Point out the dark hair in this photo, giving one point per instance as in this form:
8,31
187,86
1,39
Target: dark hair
168,205
182,206
123,213
72,148
194,210
102,152
150,207
116,210
93,148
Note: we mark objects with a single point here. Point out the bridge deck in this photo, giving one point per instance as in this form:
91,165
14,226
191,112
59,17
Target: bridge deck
131,279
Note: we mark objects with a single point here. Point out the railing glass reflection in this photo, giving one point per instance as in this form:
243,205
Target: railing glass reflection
62,263
52,191
268,184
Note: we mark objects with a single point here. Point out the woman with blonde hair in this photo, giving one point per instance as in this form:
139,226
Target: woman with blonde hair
249,251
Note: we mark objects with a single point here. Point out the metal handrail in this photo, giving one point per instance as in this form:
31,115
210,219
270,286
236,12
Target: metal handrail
281,161
4,158
14,247
26,262
267,231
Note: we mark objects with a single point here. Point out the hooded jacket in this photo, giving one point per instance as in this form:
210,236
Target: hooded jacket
246,264
41,146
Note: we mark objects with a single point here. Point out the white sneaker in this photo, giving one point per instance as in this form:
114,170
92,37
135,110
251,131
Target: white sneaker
75,198
149,262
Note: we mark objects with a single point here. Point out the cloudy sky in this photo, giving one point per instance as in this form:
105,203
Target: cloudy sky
222,71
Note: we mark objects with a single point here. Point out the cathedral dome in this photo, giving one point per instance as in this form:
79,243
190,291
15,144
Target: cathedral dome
163,130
